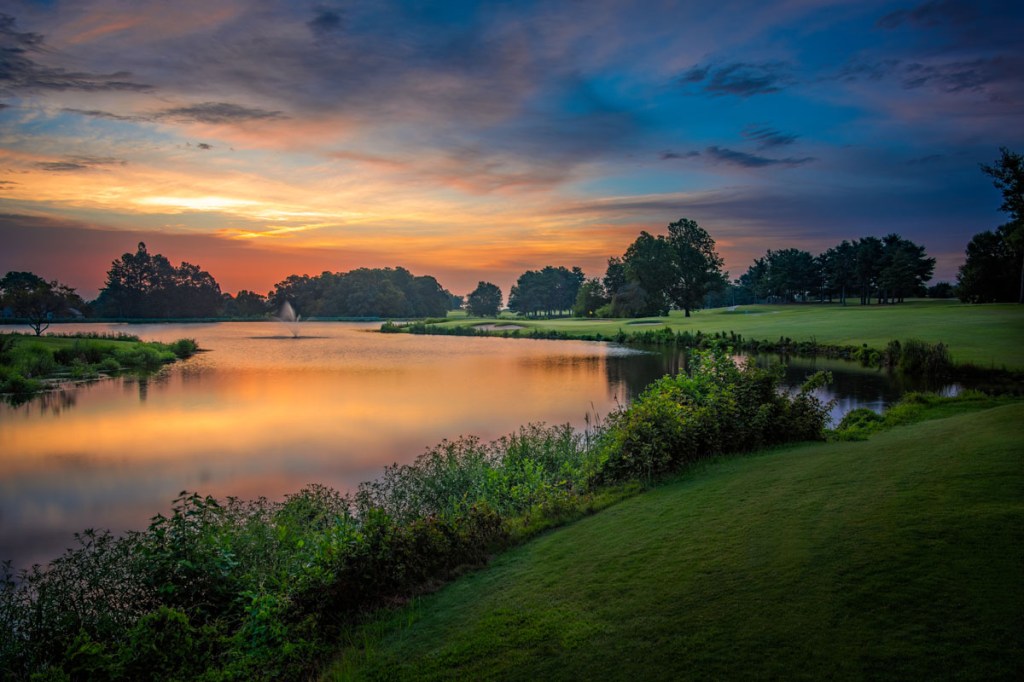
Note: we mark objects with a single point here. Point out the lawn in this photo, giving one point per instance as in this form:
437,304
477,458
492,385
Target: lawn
900,557
985,335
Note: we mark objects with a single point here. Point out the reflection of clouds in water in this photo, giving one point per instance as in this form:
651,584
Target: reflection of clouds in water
254,417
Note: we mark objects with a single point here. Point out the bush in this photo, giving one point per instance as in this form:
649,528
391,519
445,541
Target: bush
719,408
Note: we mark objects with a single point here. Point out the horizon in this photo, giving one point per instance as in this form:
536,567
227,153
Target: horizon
477,140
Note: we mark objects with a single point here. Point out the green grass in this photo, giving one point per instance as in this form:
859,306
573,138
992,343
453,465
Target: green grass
899,557
986,335
30,363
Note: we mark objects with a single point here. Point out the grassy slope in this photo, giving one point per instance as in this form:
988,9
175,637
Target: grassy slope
897,557
986,335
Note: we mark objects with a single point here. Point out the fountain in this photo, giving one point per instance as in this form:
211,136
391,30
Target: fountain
289,319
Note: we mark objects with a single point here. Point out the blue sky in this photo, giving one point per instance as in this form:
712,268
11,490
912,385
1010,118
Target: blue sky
474,140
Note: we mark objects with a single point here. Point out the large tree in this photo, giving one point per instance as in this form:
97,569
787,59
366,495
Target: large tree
37,301
652,266
549,291
144,284
484,301
699,267
1008,176
989,274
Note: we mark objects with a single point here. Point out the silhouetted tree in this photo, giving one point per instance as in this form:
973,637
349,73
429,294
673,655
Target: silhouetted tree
989,274
37,301
1008,176
245,304
142,284
484,301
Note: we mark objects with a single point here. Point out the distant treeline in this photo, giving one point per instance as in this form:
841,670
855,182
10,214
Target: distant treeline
680,270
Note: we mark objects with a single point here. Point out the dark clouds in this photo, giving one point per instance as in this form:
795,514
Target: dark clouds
20,71
78,163
767,138
217,112
742,79
933,13
732,157
737,158
325,22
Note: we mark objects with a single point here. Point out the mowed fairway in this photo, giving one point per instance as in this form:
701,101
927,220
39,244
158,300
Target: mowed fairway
986,335
901,557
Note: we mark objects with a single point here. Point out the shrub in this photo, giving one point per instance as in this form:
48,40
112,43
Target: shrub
719,408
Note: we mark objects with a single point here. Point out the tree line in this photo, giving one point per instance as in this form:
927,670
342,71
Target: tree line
680,269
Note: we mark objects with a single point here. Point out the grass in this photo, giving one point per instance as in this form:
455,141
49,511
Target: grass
985,335
30,364
899,557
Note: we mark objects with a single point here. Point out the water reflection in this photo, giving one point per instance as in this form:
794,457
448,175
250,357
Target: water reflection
259,415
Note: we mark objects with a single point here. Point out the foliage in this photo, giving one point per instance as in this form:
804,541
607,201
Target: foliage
364,292
994,270
899,558
246,304
590,298
989,273
679,269
259,589
484,301
549,291
26,363
145,285
717,408
39,302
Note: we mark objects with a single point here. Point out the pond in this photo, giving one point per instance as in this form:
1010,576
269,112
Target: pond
263,414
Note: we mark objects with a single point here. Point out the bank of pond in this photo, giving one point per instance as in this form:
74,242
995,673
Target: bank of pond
31,364
261,589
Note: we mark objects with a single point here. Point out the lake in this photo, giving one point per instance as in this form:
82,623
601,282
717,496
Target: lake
262,414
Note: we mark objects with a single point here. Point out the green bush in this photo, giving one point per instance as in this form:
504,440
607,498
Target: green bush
718,408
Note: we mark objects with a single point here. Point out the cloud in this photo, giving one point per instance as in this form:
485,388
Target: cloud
736,158
21,72
931,13
217,112
742,79
96,113
325,22
767,138
669,155
79,163
963,75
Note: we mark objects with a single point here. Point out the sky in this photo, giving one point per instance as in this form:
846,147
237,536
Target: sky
476,140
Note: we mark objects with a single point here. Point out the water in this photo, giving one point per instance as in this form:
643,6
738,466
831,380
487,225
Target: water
263,413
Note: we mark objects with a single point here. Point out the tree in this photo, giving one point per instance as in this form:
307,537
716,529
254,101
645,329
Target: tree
38,301
904,269
699,267
142,284
838,270
1008,176
591,296
651,265
550,291
988,275
484,301
245,304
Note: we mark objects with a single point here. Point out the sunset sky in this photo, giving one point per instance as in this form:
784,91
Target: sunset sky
475,140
